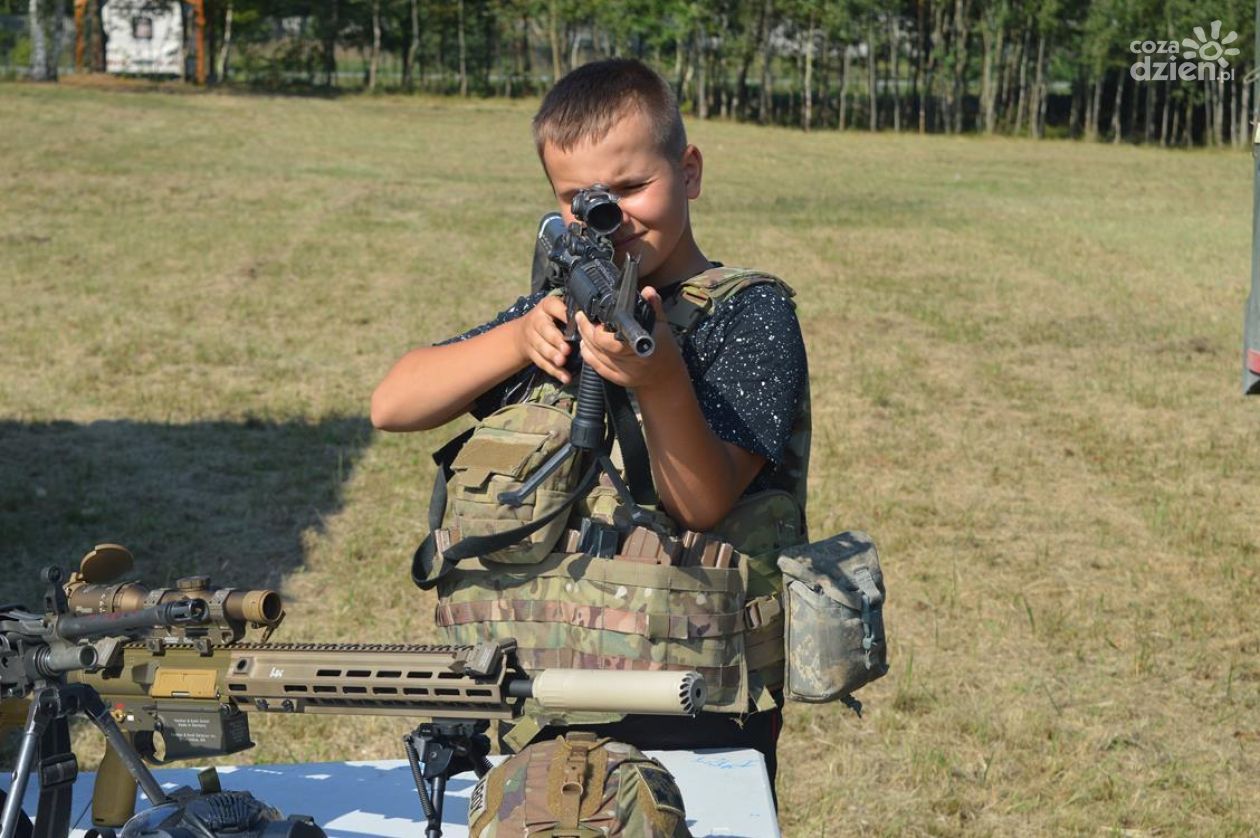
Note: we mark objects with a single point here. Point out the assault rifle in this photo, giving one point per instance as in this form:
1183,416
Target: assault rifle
189,692
579,258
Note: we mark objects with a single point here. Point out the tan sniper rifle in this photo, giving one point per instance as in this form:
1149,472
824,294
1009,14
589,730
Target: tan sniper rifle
187,691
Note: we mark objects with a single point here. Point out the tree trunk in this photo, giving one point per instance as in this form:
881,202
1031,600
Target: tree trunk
463,53
824,79
1234,138
1005,86
961,31
750,52
846,66
1074,114
689,67
702,62
1022,103
1034,113
1209,136
1176,122
222,66
413,48
1188,129
333,26
1163,120
920,55
1244,111
807,89
1218,123
375,59
767,56
1095,109
45,27
1117,131
1148,112
871,92
573,35
894,69
992,43
553,35
938,39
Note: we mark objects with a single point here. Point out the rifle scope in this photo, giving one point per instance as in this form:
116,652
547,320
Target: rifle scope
597,208
593,280
259,607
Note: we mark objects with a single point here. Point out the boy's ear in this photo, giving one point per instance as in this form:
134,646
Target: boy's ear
692,165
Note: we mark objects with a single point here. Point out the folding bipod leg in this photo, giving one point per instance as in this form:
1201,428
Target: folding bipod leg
439,750
45,746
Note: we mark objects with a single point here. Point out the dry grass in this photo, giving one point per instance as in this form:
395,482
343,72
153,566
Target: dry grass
1025,367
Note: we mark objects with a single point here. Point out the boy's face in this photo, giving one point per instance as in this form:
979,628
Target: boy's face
654,191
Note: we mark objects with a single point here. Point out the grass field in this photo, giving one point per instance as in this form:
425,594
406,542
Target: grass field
1025,366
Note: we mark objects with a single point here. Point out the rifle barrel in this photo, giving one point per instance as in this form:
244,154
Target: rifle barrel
183,612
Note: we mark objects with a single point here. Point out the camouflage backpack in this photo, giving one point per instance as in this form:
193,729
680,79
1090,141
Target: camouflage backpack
577,785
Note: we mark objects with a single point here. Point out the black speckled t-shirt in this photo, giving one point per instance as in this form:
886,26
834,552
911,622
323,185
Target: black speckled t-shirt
747,365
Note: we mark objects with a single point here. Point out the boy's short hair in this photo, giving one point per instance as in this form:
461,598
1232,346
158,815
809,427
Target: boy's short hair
583,106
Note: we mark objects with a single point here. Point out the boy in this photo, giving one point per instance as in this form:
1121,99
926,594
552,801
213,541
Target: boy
718,405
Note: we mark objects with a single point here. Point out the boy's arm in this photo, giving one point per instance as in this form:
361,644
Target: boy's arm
698,476
431,385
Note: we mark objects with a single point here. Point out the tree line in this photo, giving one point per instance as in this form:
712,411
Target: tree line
1146,71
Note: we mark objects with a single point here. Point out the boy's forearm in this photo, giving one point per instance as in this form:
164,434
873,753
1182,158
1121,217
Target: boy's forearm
431,385
698,476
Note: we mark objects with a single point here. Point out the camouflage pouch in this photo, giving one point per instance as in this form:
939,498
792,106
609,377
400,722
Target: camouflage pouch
503,451
578,785
834,633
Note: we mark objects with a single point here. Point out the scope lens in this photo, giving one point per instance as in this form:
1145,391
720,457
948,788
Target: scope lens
604,218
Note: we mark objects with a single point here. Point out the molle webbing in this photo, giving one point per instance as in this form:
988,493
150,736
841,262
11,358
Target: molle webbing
589,612
651,626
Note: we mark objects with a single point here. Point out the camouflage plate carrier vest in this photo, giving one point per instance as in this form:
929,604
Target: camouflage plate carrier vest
626,612
578,785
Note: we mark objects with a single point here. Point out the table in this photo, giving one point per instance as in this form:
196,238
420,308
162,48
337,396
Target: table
726,793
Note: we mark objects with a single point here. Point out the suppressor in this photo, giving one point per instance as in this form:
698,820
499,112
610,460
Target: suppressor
656,692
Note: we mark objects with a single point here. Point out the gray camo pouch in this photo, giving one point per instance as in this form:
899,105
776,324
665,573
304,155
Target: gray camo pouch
833,592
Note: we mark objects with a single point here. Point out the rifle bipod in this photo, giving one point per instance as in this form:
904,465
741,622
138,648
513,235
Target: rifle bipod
45,748
437,751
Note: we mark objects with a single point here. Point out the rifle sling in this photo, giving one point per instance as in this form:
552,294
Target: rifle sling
57,769
634,452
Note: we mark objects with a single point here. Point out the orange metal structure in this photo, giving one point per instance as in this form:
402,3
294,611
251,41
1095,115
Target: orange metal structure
80,44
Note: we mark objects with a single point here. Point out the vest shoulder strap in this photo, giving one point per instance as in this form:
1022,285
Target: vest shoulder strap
700,294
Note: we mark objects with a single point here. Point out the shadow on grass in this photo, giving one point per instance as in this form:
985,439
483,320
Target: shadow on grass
228,499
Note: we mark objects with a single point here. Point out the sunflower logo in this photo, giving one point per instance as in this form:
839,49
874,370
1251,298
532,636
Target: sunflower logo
1213,48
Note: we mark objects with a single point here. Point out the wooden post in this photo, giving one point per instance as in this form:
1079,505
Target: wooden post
199,10
80,8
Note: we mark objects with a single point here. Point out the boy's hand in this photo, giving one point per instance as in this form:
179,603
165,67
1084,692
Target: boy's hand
541,340
616,362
